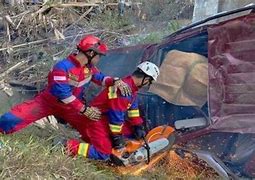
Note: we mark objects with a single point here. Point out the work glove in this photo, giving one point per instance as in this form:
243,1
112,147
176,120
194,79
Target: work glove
92,113
118,141
124,88
139,132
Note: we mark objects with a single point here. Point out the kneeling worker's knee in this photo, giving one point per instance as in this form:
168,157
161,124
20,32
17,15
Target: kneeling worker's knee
85,150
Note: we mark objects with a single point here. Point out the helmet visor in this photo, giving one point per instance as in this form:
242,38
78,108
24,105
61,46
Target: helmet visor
102,49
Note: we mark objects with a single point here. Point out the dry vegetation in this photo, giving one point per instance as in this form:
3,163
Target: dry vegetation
34,36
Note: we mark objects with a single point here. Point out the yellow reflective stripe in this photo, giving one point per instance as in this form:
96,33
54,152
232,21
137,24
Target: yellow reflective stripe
115,128
112,93
133,113
83,149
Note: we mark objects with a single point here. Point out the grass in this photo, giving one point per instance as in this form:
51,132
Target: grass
29,154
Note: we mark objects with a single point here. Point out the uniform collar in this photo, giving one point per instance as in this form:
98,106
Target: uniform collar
129,80
72,57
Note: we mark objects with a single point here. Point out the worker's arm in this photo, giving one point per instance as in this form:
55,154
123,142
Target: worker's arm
61,89
135,120
118,105
100,79
134,114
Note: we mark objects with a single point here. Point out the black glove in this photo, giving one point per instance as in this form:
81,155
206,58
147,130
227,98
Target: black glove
139,132
118,141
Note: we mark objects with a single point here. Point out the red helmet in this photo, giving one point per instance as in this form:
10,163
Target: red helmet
93,43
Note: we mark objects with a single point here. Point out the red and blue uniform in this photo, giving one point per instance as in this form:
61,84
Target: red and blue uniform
119,115
63,97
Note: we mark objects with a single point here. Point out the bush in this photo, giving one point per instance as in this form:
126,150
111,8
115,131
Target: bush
153,37
166,9
110,20
173,26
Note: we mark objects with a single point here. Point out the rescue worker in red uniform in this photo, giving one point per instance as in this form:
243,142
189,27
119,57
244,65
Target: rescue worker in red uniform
109,131
64,92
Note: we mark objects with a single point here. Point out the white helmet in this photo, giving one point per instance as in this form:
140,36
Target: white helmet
150,69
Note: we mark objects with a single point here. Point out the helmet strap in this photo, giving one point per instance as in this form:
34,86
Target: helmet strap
89,57
143,84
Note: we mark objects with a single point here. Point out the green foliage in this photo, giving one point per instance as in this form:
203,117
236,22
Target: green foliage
110,20
157,36
152,37
173,26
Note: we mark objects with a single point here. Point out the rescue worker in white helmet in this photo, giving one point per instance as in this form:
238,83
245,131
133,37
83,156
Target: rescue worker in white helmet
107,133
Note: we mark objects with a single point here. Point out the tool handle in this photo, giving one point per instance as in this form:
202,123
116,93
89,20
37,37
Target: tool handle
147,147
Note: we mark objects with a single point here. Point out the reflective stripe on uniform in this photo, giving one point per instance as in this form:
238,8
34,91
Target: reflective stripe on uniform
59,78
133,113
83,149
81,83
69,99
115,128
105,78
112,94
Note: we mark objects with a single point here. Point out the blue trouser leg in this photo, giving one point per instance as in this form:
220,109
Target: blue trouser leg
8,121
